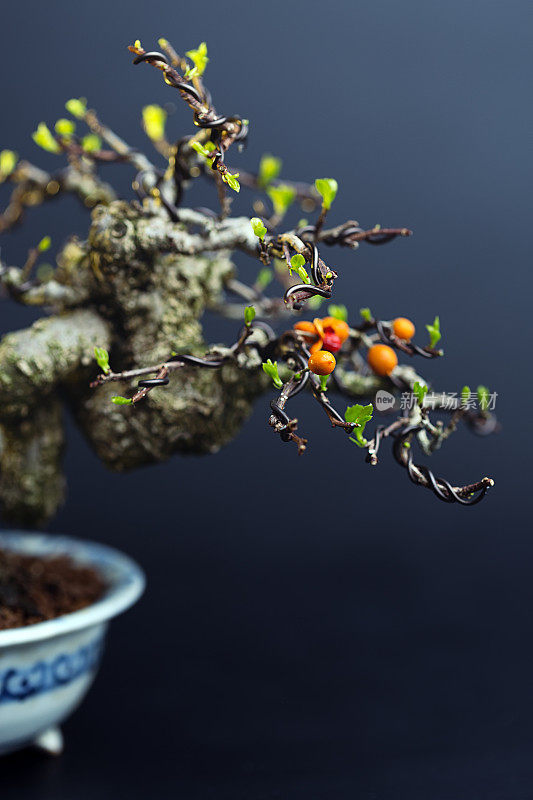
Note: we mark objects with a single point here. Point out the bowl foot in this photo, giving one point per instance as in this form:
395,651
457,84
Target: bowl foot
50,741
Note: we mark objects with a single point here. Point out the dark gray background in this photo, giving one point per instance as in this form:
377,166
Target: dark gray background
382,649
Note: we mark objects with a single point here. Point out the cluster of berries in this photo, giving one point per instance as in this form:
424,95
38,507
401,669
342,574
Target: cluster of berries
329,334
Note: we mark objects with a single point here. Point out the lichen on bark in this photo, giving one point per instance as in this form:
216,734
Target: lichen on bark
143,289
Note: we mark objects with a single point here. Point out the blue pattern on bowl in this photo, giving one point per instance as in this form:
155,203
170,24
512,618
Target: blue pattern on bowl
47,668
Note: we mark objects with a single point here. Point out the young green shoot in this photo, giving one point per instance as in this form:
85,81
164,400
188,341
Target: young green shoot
77,106
199,58
338,311
327,189
249,315
420,390
258,227
271,369
44,244
269,169
44,138
434,332
282,197
102,359
154,119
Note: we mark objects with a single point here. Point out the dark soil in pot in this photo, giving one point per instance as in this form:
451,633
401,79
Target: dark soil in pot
34,589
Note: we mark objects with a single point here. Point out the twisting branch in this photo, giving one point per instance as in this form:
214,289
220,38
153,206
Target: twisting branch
150,267
464,495
349,234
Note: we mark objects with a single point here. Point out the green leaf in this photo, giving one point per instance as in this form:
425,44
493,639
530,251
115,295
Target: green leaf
102,359
91,143
65,127
77,106
43,137
121,401
204,150
434,332
297,261
366,314
271,368
327,189
359,415
44,244
339,312
269,169
232,181
420,390
258,227
154,118
199,57
282,197
8,162
249,315
323,382
465,394
264,277
483,396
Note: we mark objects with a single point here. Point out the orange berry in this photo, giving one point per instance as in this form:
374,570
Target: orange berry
305,327
403,328
317,322
382,359
341,328
312,335
322,363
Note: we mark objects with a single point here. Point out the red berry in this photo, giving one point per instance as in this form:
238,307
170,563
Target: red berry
331,341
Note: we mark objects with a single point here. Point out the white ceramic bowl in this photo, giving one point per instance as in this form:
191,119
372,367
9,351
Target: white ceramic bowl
47,668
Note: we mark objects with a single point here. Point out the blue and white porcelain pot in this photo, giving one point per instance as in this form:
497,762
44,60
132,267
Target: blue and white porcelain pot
47,668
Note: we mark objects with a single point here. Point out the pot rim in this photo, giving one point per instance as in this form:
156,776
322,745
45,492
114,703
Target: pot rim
125,580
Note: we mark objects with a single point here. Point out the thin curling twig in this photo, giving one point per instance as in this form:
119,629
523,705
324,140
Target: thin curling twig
349,234
421,475
224,130
387,335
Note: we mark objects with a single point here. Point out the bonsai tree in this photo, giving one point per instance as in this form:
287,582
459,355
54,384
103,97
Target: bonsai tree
122,343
